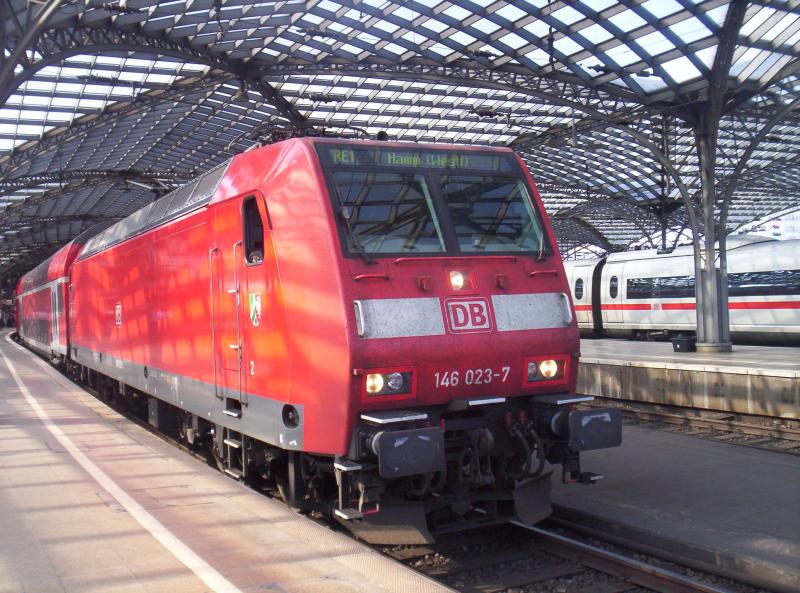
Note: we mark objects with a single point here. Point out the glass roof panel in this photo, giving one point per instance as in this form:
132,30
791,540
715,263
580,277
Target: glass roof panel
780,27
567,15
681,69
458,13
567,46
598,5
513,40
622,55
655,43
690,30
756,16
635,65
510,12
627,20
596,34
662,8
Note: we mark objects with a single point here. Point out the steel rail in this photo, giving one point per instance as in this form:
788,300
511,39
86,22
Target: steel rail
748,428
630,569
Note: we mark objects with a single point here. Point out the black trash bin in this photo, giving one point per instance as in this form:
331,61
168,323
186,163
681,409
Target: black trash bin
684,344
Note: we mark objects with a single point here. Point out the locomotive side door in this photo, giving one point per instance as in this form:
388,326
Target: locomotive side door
257,256
225,269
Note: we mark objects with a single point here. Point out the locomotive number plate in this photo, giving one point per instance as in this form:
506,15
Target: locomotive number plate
481,376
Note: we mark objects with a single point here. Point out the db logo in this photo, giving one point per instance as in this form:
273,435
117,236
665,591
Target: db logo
468,315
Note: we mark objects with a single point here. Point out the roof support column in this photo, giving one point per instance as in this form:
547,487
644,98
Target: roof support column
711,282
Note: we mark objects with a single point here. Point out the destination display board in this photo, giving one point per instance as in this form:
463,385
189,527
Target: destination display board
345,156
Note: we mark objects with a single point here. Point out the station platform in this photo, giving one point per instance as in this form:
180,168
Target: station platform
90,502
718,506
762,380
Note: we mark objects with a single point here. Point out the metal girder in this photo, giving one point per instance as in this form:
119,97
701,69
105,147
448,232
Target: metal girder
54,194
160,180
575,230
42,221
84,125
567,94
52,46
38,15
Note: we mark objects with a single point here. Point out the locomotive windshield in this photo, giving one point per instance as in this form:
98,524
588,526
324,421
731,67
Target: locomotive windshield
431,201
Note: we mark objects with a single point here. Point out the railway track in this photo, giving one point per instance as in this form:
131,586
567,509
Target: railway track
775,434
521,558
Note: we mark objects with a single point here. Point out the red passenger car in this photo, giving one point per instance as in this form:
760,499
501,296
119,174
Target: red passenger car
41,301
380,329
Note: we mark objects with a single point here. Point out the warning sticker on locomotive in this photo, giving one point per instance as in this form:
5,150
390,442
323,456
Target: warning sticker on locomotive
255,308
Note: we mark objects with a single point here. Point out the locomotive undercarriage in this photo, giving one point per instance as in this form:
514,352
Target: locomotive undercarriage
494,466
448,468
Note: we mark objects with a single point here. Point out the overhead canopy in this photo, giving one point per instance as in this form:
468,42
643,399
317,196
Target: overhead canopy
105,105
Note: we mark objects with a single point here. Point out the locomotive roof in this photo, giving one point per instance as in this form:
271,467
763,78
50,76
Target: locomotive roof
195,194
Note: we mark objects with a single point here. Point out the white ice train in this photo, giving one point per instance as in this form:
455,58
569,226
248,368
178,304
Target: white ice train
644,294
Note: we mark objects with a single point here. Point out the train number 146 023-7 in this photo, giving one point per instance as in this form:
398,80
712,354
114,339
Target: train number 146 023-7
471,377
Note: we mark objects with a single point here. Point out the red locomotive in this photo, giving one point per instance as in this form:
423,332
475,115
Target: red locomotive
382,330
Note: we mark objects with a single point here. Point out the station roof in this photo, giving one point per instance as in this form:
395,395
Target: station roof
108,104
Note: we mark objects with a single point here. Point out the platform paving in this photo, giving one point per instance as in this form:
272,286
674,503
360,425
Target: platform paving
151,519
731,507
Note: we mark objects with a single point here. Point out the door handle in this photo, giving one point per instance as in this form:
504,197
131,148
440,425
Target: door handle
234,346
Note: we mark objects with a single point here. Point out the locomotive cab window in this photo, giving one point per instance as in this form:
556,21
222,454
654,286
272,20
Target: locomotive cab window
253,233
578,289
392,202
613,287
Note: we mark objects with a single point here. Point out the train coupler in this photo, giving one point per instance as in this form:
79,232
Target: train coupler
571,471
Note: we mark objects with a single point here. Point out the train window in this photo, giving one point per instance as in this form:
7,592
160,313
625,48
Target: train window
492,213
772,282
387,213
253,232
578,289
613,287
667,287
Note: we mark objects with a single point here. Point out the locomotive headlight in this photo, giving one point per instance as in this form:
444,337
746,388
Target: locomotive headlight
375,383
458,280
533,370
548,369
394,381
389,383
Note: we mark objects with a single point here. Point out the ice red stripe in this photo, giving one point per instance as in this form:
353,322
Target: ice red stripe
627,307
764,305
677,306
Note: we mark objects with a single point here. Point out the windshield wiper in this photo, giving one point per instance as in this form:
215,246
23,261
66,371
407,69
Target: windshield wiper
540,256
345,214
